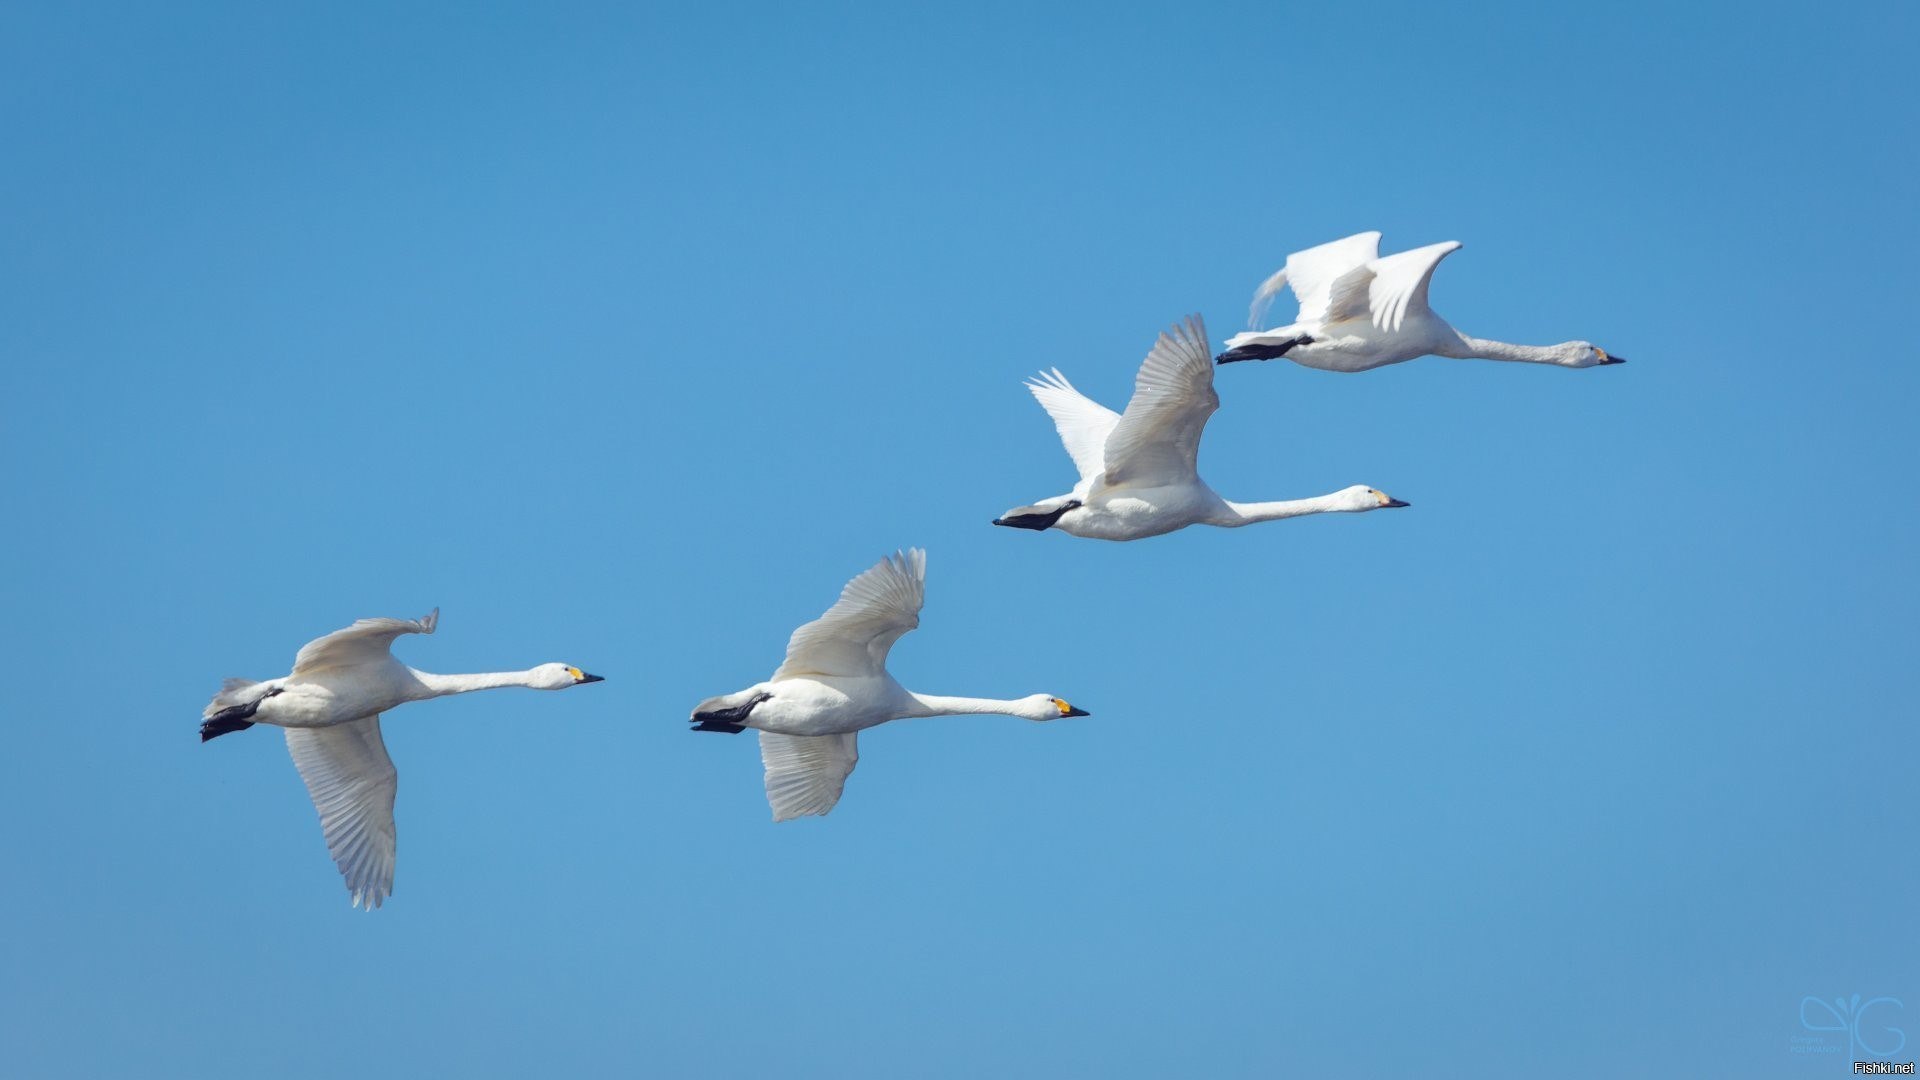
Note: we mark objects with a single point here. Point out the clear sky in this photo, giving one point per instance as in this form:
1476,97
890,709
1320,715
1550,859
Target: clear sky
627,336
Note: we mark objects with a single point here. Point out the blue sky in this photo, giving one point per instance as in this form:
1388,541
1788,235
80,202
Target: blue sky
627,336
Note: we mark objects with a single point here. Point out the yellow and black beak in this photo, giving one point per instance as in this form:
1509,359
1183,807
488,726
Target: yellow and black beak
1391,502
581,678
1067,710
1608,358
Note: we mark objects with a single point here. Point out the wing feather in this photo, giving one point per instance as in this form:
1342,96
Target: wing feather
352,783
1157,440
1313,272
1082,422
365,642
854,635
1399,285
1263,297
1347,296
806,773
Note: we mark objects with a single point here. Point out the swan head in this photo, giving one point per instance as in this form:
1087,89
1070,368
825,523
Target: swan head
1360,498
1583,354
559,677
1047,707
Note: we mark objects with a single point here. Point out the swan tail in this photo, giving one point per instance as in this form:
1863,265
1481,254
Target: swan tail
233,707
236,692
728,712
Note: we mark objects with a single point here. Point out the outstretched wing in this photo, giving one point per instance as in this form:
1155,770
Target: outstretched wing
1082,422
852,638
806,773
1399,283
352,783
365,642
1157,440
1312,273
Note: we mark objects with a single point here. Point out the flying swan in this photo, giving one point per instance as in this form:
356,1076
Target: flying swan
834,684
1359,311
331,706
1137,469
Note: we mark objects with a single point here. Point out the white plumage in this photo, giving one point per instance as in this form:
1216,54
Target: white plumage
1139,473
1359,310
834,684
854,636
330,706
352,783
806,773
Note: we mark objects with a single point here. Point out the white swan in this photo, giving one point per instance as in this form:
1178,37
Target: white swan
834,684
1137,470
1359,311
331,706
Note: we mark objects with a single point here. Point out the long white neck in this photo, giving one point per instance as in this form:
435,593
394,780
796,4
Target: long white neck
937,705
442,685
1473,348
1236,514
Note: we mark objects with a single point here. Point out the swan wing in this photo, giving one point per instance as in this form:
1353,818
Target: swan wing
1263,298
1157,440
806,773
1082,422
1399,284
852,639
1312,274
365,642
352,781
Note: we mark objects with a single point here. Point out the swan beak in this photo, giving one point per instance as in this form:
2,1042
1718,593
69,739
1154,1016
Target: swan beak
1395,502
1608,358
586,678
1074,712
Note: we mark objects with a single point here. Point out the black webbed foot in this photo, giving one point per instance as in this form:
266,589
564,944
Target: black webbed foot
1038,521
731,721
228,721
1273,351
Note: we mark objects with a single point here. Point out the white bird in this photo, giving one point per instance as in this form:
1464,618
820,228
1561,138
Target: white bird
1138,474
331,706
834,684
1359,311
